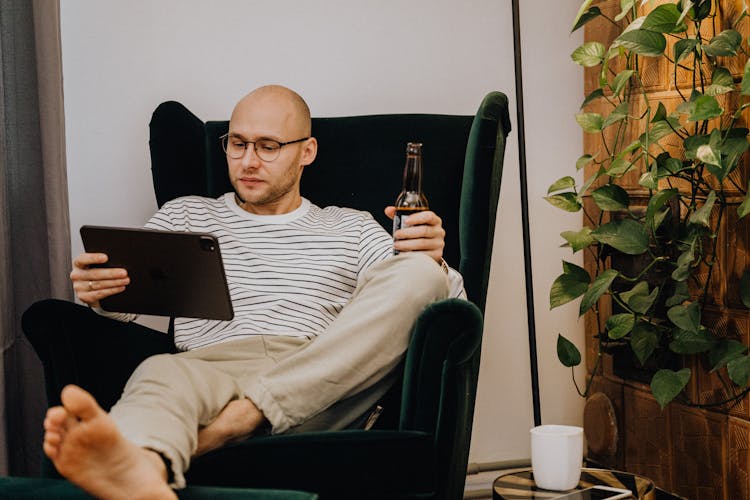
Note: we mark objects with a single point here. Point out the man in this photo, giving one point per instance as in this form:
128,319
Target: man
322,318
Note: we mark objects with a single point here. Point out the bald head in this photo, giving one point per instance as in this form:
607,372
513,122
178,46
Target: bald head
289,105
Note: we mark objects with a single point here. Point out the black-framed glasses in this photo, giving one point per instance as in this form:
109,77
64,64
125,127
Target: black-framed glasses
266,149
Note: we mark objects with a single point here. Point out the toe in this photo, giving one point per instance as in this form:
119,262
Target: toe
80,403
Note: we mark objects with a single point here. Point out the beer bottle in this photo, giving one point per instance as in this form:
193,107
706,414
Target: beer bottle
411,199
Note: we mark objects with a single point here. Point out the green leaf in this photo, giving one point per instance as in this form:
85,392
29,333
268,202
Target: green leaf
643,340
570,285
617,114
611,197
745,288
619,325
567,352
565,201
683,48
745,87
627,236
620,81
649,180
686,342
664,19
661,113
589,54
638,298
702,9
590,122
625,7
704,107
566,182
686,317
681,294
667,384
692,143
597,289
721,82
629,149
686,6
725,43
660,129
703,214
642,303
672,166
708,155
725,351
578,240
657,201
583,161
734,146
587,16
739,370
643,42
581,12
618,167
596,94
684,261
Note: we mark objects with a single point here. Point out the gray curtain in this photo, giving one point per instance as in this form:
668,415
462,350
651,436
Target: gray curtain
34,222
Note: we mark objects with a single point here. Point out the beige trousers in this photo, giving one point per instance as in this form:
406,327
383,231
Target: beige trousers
300,385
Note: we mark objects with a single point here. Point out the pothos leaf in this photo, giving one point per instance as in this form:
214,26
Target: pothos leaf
667,384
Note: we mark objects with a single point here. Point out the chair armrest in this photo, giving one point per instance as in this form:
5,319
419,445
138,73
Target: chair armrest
445,346
440,385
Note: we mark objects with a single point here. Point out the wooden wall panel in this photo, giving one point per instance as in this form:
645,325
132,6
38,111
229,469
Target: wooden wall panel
698,463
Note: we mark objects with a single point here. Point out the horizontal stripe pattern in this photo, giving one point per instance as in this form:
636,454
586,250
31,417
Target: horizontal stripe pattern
287,275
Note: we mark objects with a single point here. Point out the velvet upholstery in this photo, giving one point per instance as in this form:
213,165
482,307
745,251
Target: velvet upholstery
423,451
20,488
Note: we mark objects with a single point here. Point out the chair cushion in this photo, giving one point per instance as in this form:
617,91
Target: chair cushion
342,464
59,489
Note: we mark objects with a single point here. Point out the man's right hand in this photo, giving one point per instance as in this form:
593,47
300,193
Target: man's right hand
92,284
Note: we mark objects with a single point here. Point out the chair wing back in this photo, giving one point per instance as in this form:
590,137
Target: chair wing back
359,165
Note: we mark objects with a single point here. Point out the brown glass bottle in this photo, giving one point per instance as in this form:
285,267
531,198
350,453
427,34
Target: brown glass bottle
411,199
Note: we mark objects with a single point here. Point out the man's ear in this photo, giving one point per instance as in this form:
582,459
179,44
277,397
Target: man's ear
309,151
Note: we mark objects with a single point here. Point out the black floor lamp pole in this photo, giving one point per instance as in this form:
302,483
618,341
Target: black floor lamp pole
525,217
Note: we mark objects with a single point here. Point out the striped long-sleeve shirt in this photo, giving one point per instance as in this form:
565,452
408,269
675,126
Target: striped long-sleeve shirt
288,274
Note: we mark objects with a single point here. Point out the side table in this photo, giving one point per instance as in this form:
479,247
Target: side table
520,484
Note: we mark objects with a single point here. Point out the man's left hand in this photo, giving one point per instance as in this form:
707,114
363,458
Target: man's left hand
424,234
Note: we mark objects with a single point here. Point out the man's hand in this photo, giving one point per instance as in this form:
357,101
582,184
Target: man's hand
236,422
425,234
93,284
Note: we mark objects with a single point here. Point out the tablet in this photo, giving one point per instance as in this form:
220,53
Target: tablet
171,273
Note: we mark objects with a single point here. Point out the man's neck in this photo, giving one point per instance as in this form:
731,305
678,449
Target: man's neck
279,207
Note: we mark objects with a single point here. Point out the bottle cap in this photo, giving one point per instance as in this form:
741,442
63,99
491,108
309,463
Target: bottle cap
414,147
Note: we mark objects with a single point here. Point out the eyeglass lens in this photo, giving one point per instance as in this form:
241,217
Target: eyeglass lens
266,149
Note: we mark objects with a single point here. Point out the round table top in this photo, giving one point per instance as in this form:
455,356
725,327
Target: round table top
520,484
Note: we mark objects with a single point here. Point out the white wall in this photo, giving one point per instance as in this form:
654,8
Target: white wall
346,57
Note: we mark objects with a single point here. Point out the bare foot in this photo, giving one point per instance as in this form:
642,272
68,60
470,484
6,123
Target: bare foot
87,448
237,421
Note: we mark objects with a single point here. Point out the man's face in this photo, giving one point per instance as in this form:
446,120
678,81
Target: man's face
269,187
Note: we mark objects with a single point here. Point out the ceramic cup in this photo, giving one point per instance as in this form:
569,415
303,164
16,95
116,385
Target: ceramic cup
556,456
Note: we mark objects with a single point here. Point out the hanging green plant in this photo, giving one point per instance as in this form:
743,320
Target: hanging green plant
654,205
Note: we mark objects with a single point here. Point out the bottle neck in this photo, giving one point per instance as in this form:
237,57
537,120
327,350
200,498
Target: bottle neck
413,174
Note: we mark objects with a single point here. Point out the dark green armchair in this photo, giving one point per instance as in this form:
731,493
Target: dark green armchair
419,449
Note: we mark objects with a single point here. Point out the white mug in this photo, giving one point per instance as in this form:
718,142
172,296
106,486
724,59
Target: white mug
556,456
